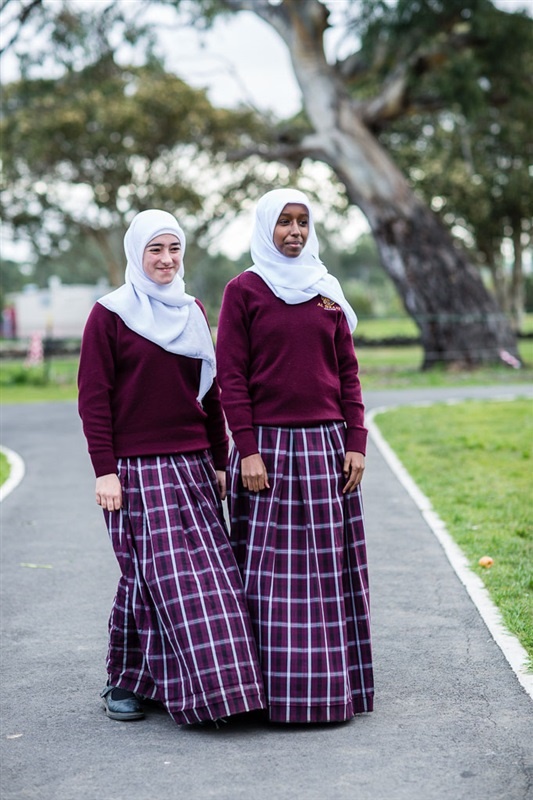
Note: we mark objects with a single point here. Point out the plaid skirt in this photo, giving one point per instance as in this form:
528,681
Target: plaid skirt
301,549
179,630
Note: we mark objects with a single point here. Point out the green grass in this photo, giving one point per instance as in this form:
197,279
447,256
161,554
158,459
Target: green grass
380,368
386,328
4,469
54,381
474,461
383,328
399,368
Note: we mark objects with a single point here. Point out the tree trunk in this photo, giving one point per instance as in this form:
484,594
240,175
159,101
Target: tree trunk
497,272
115,264
517,293
459,320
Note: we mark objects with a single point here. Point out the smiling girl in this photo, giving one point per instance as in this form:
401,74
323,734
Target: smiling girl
179,631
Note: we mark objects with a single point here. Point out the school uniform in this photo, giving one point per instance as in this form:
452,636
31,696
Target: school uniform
291,392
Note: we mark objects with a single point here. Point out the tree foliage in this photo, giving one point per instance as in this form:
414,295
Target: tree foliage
441,85
462,132
83,151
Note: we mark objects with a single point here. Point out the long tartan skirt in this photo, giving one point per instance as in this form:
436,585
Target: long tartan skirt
301,549
179,630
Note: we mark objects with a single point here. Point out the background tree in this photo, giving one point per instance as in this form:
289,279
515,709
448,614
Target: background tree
348,103
85,150
471,161
400,62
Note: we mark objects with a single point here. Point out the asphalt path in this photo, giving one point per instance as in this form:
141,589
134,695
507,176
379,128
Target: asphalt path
451,720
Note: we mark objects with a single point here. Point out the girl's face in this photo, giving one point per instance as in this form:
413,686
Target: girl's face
292,230
162,258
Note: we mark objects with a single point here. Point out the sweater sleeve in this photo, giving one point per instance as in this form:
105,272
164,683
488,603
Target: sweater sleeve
215,423
96,375
351,397
216,426
233,357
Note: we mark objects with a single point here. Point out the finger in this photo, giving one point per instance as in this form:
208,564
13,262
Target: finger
350,485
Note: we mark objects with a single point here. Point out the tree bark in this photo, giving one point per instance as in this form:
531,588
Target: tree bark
517,299
114,264
460,322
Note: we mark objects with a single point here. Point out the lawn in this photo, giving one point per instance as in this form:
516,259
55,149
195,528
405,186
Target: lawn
474,461
380,368
4,468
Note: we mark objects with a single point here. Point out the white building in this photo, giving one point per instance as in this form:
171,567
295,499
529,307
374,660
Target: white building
58,312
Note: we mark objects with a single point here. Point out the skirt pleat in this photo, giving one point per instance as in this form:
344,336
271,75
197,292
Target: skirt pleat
179,630
301,549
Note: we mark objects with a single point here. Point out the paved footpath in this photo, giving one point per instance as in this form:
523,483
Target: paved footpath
451,719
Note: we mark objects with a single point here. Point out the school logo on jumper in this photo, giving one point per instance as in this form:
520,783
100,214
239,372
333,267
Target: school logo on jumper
328,304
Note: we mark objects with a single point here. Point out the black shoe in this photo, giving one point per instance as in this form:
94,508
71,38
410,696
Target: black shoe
123,706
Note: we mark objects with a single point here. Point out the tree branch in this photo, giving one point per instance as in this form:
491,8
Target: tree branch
311,146
23,18
393,100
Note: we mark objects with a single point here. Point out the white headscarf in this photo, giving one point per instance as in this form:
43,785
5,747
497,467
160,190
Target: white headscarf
163,314
294,280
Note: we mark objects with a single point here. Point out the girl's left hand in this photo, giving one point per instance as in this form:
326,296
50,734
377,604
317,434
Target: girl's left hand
354,466
221,482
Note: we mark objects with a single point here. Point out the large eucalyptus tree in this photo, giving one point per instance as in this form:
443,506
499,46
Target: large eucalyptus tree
348,102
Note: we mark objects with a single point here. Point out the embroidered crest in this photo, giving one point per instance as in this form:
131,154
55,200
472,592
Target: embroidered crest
328,304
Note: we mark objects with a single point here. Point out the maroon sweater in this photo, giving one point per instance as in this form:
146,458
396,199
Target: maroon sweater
285,365
136,399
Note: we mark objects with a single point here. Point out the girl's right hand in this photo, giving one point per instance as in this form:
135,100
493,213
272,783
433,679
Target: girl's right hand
109,492
254,474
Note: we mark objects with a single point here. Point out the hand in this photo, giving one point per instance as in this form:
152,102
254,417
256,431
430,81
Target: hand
109,492
354,466
221,483
254,474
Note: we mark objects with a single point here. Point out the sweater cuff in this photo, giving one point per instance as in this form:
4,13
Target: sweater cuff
356,440
220,456
246,443
104,465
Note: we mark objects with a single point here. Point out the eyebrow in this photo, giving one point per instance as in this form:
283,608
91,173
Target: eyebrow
161,244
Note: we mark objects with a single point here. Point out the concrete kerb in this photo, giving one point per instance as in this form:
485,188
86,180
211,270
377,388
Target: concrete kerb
16,472
511,648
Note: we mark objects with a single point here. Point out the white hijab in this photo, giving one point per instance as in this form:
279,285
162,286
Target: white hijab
294,280
165,315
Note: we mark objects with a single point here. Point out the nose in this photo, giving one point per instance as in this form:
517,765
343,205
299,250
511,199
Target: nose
294,228
166,257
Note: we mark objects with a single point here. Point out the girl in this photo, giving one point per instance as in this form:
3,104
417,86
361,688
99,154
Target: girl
292,397
179,631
